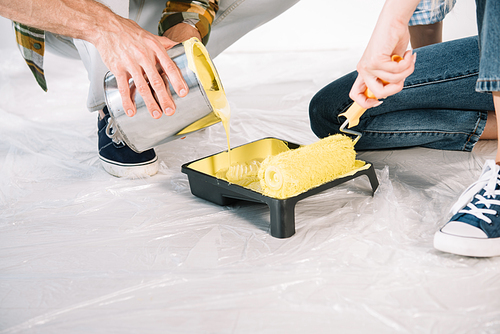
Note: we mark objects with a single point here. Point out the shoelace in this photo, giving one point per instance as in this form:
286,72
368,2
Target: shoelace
114,135
488,181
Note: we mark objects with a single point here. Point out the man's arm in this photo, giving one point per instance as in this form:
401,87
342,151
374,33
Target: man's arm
127,50
183,19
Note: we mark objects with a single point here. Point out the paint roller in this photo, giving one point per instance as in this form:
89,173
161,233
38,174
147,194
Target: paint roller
293,172
355,110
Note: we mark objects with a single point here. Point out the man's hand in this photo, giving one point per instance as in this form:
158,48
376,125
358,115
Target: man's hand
132,52
138,60
182,32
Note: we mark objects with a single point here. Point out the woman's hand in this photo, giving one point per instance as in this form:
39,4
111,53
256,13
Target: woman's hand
369,86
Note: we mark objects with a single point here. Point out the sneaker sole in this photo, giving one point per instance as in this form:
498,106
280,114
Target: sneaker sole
148,168
474,247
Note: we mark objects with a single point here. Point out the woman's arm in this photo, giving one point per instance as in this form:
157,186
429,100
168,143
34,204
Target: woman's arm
376,70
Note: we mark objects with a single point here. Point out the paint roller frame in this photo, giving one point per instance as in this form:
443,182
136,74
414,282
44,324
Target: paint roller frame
355,111
282,211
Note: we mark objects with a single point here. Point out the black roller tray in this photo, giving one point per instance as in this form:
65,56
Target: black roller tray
204,184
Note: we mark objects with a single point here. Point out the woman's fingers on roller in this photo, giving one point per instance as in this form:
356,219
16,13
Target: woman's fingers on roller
389,78
358,95
381,91
394,72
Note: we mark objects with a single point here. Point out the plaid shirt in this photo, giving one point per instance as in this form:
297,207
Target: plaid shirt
197,13
426,13
31,43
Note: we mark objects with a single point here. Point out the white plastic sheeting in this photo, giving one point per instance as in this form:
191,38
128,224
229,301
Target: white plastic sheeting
84,252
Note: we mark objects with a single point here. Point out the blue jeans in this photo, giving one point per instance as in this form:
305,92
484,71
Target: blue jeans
438,107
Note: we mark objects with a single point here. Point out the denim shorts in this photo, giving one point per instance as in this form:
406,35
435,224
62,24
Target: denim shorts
488,24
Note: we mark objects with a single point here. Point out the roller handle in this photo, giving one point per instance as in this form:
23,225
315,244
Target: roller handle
355,110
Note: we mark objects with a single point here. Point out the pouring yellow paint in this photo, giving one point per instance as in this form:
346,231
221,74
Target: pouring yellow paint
199,62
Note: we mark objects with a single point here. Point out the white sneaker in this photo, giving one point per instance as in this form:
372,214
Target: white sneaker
474,229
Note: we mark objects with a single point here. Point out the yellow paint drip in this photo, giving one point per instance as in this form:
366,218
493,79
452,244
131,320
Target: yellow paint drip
199,62
245,174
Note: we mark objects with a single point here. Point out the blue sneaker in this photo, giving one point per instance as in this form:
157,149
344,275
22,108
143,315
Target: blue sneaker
117,158
474,229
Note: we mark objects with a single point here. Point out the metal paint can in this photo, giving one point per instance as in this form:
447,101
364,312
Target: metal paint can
142,132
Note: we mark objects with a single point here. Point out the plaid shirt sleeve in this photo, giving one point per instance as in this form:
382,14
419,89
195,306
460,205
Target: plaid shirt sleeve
31,43
197,13
429,13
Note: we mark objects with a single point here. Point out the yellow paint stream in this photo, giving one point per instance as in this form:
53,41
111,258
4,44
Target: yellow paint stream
199,62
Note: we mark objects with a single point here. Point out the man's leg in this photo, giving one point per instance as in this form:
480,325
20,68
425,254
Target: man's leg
116,157
236,18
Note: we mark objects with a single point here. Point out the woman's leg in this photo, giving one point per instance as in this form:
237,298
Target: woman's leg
438,107
426,23
474,229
